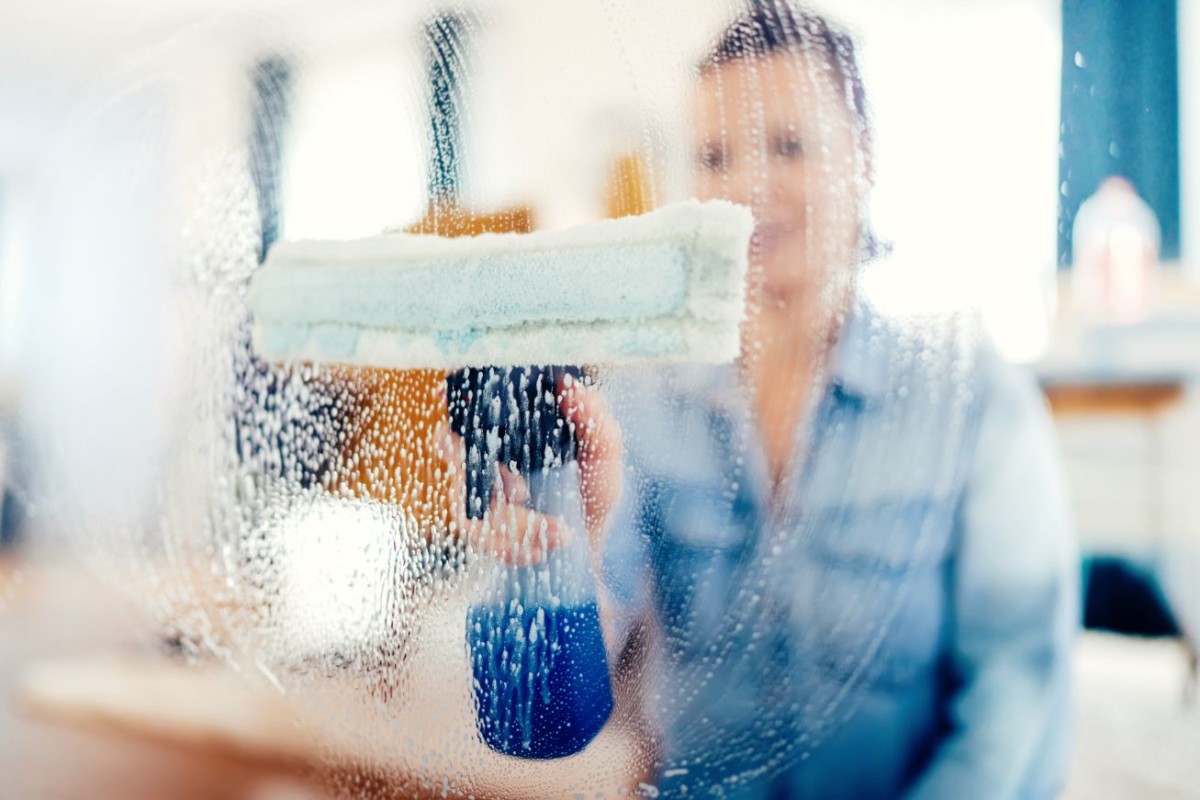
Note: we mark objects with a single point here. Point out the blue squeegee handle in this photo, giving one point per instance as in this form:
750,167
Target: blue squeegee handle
510,416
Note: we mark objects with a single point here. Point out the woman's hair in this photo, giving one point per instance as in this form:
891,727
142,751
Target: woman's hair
778,26
769,27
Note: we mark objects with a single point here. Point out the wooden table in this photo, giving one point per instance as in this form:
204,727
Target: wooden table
51,612
1146,399
88,711
1142,399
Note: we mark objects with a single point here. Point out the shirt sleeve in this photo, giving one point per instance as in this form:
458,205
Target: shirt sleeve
1015,591
626,573
625,565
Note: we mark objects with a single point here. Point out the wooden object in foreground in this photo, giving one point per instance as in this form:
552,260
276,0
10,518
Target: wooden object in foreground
628,189
330,728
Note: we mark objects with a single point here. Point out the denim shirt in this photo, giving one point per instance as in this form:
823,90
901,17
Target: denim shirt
897,621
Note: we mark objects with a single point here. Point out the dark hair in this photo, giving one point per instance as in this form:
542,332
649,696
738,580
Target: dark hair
778,26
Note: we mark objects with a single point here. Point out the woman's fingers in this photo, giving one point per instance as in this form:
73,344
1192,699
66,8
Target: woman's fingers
511,531
600,452
508,530
514,487
519,535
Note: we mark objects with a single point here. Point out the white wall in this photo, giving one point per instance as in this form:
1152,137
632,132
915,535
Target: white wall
966,98
135,196
552,89
15,223
355,154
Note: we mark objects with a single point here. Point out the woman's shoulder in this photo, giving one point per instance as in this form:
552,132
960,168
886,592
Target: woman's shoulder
947,366
921,358
951,348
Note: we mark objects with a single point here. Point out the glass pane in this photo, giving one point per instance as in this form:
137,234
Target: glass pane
575,399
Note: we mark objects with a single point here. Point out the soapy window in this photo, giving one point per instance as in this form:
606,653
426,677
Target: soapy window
436,320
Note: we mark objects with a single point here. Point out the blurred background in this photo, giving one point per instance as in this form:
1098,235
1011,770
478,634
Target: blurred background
1036,160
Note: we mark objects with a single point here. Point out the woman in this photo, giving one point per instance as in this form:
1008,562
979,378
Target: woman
853,543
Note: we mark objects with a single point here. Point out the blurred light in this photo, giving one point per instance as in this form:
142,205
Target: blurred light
355,152
336,557
966,157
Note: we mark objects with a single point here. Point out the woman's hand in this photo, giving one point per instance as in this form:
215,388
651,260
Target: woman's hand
514,532
599,451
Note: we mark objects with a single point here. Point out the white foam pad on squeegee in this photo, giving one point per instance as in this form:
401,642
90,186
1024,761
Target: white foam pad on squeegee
663,286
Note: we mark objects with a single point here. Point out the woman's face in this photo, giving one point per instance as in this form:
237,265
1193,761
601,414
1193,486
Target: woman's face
774,134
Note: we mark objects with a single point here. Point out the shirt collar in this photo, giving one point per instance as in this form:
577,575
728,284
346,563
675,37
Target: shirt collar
860,359
858,367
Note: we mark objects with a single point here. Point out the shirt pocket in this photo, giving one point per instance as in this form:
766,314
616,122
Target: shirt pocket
885,538
700,541
876,602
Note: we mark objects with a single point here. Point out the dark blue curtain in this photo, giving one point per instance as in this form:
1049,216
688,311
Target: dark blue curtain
1120,108
446,37
303,448
269,114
